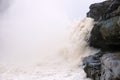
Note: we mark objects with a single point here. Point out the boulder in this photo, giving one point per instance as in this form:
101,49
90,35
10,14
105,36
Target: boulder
92,66
110,67
104,10
106,35
102,66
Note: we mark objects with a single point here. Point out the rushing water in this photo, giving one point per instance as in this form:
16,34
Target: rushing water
32,50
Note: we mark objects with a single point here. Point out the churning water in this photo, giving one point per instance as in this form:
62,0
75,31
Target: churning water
34,50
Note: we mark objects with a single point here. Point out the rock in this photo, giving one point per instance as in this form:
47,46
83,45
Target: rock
106,67
104,10
98,9
92,65
106,35
110,67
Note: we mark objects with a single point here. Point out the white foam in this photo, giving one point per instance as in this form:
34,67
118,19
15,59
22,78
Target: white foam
34,50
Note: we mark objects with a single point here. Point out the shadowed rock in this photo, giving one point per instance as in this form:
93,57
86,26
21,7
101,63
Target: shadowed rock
106,35
92,66
110,67
104,10
106,67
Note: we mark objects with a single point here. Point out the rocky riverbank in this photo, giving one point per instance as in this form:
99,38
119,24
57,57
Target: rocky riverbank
105,35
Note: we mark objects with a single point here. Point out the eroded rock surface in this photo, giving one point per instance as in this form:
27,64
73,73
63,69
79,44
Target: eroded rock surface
92,66
105,36
104,10
106,67
110,67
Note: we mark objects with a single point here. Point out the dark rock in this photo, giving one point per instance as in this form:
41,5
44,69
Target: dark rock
106,67
92,65
104,10
98,9
106,35
110,67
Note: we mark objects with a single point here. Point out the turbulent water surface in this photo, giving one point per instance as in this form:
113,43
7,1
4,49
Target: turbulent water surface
32,50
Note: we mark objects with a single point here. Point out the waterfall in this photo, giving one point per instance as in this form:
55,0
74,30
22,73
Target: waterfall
33,50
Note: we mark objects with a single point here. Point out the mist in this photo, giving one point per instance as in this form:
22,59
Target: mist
43,35
30,30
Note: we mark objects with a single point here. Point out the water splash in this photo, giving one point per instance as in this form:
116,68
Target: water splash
64,64
77,44
33,51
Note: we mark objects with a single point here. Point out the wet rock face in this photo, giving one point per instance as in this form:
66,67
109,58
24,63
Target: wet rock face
110,67
106,67
92,66
104,10
106,32
98,9
106,35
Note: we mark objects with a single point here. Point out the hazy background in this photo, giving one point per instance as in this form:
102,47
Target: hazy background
32,30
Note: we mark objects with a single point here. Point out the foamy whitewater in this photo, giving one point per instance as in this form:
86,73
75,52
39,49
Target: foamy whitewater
31,50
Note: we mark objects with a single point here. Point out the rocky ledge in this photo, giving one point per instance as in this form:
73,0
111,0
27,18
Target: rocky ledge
105,35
